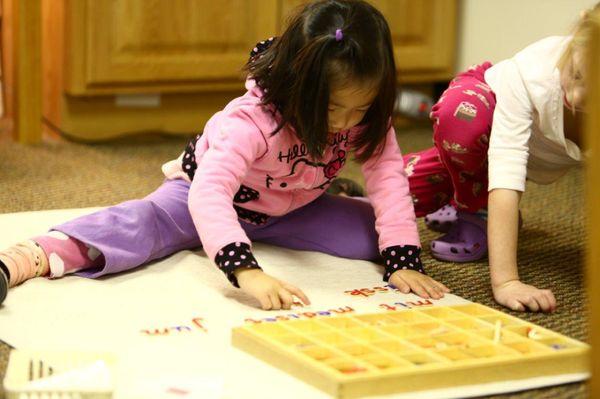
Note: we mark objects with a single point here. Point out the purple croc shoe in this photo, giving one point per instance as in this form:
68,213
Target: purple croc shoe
442,219
466,241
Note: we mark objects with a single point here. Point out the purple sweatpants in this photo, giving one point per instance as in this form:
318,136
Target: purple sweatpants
136,232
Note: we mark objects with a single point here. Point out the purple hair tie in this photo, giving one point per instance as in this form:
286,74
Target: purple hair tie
338,35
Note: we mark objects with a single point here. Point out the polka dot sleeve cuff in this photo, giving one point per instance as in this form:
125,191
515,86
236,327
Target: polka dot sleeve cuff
232,257
401,257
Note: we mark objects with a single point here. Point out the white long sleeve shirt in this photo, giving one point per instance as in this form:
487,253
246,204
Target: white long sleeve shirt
527,139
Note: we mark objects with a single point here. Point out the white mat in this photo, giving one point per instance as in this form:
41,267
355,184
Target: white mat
170,322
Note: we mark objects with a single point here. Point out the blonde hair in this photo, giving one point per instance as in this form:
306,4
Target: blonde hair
581,34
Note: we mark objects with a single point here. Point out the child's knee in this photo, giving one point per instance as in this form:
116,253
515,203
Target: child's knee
138,209
364,248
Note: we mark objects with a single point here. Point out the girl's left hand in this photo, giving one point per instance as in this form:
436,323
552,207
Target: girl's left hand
419,283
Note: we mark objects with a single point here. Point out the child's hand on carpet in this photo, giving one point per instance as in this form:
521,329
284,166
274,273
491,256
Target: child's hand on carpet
270,292
419,283
518,296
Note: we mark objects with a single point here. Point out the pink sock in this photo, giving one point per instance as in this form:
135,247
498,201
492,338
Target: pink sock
67,254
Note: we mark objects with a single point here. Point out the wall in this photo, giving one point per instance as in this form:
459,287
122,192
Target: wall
496,29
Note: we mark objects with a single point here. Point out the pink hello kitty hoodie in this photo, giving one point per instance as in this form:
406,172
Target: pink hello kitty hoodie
277,176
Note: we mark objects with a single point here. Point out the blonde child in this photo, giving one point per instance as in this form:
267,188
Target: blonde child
494,127
260,170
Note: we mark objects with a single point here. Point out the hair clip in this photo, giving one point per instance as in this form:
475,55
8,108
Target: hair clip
338,35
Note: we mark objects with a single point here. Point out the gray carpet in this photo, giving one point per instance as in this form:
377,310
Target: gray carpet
69,175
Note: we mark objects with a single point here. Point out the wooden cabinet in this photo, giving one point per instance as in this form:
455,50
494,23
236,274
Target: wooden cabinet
166,45
423,34
118,66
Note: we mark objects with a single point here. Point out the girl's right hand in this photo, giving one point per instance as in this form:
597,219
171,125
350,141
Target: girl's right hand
419,283
269,291
518,296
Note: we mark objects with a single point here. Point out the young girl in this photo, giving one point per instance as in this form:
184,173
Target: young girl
495,127
260,170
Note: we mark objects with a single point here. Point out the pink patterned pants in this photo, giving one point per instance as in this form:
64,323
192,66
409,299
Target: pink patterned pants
455,170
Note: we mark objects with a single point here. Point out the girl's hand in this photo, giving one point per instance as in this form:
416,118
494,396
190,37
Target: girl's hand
419,283
516,295
270,292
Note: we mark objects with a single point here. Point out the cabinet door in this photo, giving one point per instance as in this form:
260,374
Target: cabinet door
163,42
423,34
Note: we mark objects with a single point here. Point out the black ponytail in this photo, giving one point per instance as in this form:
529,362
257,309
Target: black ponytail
325,42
